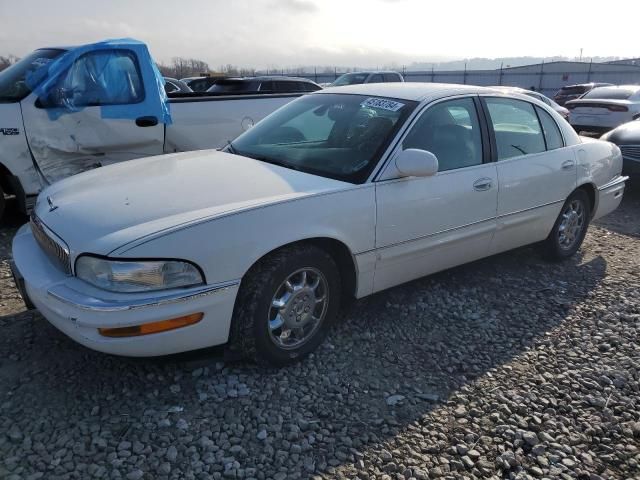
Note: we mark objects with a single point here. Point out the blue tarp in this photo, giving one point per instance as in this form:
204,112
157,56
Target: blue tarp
121,77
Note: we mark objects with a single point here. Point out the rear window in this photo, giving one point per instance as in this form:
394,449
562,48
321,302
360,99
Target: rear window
612,93
576,90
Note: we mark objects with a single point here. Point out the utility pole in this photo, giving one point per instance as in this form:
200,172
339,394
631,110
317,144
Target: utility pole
581,54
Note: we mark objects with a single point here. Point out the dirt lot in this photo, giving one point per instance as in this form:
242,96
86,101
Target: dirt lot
510,367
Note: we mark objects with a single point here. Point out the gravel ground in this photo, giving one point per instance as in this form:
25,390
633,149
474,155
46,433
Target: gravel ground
510,367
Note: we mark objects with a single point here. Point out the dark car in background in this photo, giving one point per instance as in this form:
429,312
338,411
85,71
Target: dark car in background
173,85
571,92
264,84
627,137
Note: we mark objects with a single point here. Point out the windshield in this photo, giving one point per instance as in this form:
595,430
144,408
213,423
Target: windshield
332,135
13,87
350,79
611,93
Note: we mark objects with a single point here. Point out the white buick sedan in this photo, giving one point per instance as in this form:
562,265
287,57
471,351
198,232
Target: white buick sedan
341,193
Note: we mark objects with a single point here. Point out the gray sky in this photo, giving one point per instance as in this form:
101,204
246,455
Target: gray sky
270,33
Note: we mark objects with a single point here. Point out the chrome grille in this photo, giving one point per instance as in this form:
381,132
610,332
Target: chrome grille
53,246
630,151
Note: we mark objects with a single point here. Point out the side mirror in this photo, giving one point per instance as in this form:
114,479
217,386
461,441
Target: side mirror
416,163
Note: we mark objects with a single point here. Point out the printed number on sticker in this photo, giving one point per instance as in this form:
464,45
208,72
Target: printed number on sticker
382,103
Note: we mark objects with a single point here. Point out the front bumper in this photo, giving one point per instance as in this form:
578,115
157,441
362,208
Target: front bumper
79,309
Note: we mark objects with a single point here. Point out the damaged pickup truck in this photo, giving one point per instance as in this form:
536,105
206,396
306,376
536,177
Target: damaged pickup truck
67,110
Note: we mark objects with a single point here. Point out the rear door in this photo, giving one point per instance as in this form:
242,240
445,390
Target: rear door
536,171
71,131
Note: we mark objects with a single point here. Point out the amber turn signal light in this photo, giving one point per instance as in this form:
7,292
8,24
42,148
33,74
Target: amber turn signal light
153,327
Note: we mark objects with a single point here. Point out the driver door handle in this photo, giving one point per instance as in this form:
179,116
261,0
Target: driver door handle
482,184
568,164
146,121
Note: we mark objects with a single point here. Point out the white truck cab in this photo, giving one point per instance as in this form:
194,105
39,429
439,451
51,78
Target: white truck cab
71,109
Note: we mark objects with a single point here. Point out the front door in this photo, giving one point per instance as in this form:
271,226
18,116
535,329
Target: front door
427,224
80,125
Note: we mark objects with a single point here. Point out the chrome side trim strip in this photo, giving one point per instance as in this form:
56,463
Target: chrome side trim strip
614,182
79,300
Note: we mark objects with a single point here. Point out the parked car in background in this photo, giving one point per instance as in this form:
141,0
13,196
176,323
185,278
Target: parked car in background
627,138
564,113
173,85
357,78
264,84
344,192
200,84
571,92
604,108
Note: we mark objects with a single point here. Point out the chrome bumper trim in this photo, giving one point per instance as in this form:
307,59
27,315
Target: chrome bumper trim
79,300
614,182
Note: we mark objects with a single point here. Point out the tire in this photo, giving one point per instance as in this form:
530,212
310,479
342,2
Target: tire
266,301
570,228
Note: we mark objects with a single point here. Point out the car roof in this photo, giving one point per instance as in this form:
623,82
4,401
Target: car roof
414,91
368,72
270,77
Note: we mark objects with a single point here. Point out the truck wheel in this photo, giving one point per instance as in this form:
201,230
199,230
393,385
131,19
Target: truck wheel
570,228
286,305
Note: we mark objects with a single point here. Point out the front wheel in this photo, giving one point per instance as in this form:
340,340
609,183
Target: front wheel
286,304
570,227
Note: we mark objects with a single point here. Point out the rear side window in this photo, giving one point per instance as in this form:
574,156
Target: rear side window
551,131
451,131
310,87
516,126
268,86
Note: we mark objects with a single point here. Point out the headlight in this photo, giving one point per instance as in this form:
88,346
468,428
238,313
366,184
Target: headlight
137,276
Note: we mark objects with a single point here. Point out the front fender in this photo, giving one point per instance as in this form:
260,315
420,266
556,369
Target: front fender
226,247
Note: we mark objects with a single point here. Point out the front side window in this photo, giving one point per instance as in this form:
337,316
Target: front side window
516,127
377,78
109,77
551,131
391,77
332,135
451,131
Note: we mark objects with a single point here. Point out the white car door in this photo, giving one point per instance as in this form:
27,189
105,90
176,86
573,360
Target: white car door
68,132
426,224
536,172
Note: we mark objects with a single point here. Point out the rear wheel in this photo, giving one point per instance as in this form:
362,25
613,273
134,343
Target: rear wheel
570,227
286,305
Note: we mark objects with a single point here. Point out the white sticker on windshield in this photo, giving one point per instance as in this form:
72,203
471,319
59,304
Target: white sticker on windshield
382,103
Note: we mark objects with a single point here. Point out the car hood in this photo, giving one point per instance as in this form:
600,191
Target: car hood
101,210
625,134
